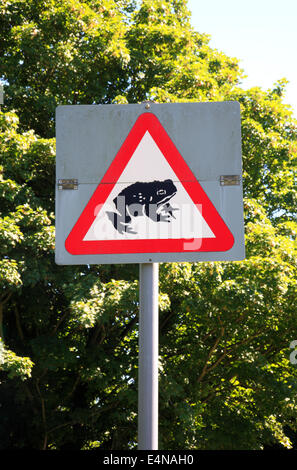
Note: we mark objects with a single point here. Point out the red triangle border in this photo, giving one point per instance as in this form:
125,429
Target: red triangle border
223,240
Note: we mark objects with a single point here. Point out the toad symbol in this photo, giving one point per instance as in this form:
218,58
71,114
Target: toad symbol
150,199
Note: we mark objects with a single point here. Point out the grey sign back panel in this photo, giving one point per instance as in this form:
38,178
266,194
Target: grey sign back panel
207,135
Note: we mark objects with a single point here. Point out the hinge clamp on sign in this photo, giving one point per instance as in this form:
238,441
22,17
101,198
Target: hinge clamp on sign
229,180
67,184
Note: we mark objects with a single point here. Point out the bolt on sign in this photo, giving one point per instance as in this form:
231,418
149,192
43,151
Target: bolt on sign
149,183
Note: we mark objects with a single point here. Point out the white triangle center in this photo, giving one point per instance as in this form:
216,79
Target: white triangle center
161,209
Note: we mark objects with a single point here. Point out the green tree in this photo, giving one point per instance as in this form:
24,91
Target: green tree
49,45
69,345
73,52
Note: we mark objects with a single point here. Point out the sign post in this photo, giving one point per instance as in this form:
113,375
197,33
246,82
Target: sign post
148,357
147,184
1,95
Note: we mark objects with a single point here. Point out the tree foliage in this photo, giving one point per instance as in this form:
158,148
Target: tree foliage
69,342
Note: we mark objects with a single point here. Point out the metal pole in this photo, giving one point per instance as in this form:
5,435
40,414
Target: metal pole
148,357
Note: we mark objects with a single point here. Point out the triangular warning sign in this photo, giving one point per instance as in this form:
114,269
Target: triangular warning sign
148,201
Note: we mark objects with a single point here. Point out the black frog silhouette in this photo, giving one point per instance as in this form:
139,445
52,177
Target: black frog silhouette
149,198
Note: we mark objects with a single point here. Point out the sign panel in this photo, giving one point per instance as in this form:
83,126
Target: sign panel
157,196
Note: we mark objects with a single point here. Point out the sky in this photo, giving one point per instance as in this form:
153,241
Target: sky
262,34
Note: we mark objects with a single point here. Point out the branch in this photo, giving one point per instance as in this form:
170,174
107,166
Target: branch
205,368
77,380
166,319
5,299
128,327
205,337
18,322
43,414
94,337
60,321
2,303
71,423
30,397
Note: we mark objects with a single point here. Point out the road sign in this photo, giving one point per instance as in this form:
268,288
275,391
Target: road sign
148,200
138,184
